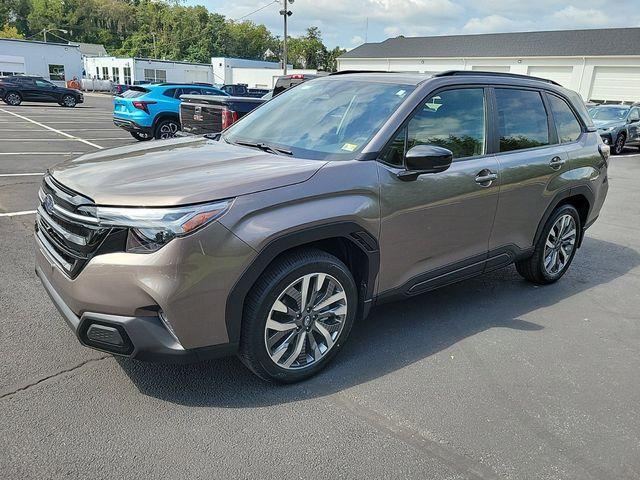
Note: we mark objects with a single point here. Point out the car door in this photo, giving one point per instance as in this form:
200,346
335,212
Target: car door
29,90
633,125
530,159
47,91
435,227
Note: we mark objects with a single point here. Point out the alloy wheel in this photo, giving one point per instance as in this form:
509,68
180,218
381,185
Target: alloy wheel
560,243
619,146
13,99
69,101
305,321
168,130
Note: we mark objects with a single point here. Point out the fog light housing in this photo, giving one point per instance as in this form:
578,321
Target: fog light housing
104,334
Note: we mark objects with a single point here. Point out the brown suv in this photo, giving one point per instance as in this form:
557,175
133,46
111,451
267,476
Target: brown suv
342,193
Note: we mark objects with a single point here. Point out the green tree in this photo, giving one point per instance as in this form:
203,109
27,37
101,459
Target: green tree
9,31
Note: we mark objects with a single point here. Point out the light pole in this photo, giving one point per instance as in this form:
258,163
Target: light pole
285,12
46,30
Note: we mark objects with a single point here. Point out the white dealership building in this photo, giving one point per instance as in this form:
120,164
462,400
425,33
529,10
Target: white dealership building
53,61
133,69
600,64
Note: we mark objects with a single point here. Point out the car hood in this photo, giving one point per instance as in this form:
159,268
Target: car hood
607,123
178,172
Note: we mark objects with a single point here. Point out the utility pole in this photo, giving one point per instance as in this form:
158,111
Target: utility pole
285,12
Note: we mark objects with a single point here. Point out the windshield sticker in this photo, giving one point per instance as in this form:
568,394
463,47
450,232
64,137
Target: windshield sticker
349,147
401,93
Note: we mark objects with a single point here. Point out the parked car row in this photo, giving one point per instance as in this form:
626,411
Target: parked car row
618,125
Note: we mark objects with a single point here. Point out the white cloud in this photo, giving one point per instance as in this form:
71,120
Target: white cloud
357,40
343,22
491,24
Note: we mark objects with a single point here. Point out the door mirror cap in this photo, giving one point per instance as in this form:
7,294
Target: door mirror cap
423,159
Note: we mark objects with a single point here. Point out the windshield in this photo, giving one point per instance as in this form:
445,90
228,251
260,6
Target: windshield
323,119
609,113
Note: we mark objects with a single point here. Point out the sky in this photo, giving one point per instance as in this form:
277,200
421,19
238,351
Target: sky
344,22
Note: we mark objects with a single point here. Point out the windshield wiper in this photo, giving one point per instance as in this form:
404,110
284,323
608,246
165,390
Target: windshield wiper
265,147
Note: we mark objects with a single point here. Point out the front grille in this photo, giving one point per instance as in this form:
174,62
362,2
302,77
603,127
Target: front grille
71,236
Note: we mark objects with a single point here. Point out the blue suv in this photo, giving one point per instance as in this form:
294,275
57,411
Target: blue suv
152,111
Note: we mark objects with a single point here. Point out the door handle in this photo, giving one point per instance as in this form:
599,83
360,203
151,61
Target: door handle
556,163
485,178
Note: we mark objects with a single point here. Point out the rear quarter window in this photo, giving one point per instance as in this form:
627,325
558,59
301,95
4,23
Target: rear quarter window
567,125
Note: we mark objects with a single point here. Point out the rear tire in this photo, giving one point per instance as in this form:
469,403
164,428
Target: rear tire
555,249
307,333
13,98
141,137
167,129
68,101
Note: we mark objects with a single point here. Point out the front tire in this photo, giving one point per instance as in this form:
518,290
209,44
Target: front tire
167,129
555,249
68,101
13,98
297,316
618,145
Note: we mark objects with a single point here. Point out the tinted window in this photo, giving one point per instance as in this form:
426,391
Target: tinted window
133,93
393,154
191,91
609,113
634,115
453,119
43,84
170,92
567,124
522,119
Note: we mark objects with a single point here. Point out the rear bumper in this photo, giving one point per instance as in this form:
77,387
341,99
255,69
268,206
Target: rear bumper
143,338
131,126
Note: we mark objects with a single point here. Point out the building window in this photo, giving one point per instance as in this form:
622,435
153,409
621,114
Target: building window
56,72
155,76
116,74
105,73
97,72
127,75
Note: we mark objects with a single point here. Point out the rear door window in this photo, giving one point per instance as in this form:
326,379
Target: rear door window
170,92
522,119
567,124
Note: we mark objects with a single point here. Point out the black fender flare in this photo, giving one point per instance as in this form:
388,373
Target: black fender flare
349,231
164,116
559,197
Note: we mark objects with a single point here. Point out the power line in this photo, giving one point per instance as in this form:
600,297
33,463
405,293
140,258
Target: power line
255,11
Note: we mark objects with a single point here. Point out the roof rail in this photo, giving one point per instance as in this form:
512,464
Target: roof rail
344,72
451,73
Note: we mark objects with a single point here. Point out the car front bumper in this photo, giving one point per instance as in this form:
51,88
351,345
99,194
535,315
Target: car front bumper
168,306
606,138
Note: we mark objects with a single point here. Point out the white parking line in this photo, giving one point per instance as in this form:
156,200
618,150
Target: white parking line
64,134
42,153
16,214
21,174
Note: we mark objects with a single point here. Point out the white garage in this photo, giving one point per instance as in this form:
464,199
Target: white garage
616,83
601,64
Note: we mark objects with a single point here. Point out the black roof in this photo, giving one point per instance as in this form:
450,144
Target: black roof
561,43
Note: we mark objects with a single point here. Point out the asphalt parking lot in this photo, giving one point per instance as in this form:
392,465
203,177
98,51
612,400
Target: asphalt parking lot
492,378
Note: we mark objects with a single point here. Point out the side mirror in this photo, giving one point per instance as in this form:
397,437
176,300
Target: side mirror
423,159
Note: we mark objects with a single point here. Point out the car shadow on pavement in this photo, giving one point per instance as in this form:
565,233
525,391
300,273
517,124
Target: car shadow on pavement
394,336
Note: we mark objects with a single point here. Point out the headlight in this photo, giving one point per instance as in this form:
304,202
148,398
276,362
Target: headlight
152,228
607,129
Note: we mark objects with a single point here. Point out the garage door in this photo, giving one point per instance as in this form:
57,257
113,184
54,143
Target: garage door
196,76
10,65
561,75
492,68
616,83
